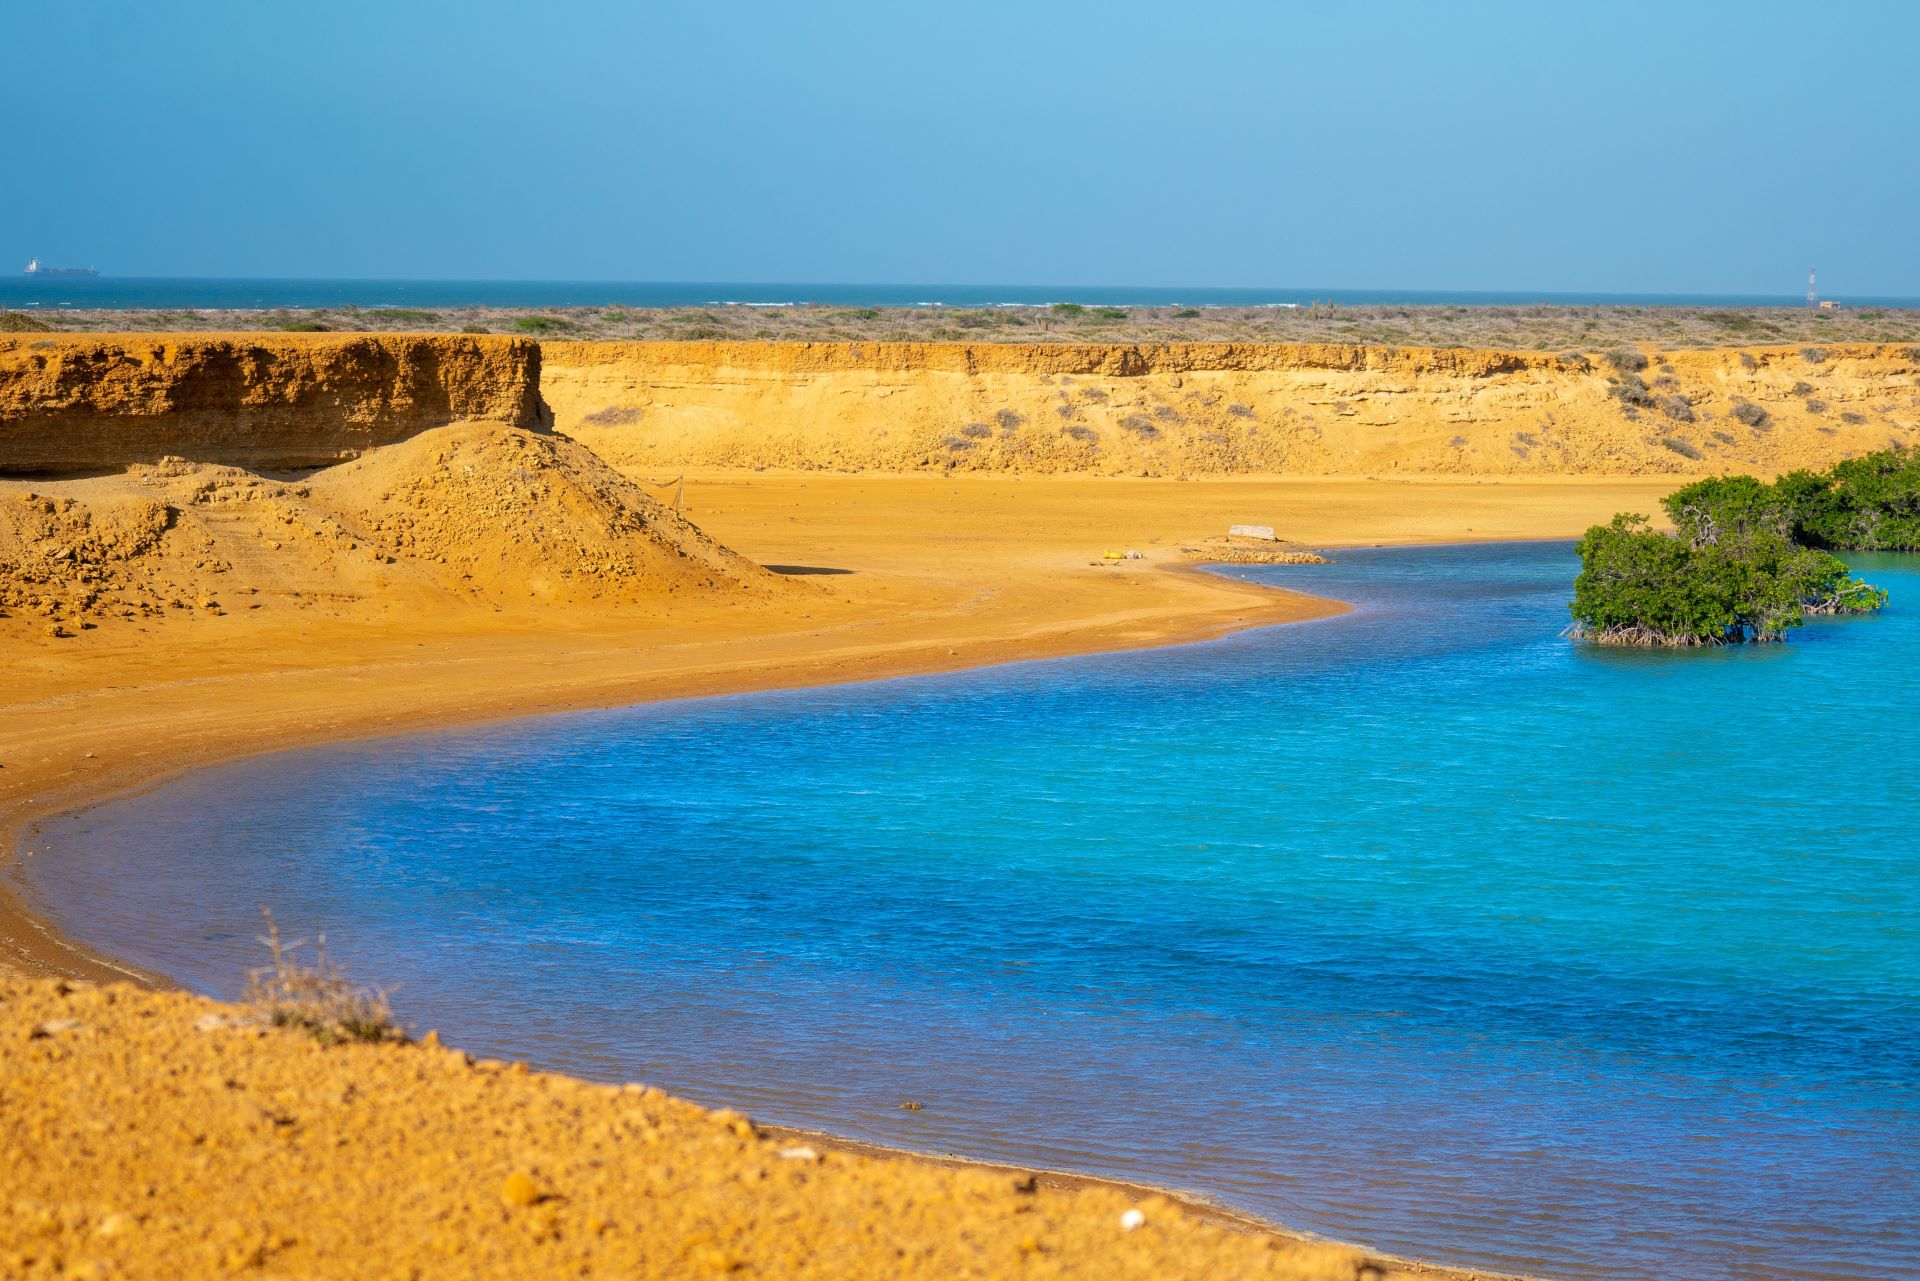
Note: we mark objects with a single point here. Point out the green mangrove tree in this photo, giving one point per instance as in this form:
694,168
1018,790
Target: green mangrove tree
1746,561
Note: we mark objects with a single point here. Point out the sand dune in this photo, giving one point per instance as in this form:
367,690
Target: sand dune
510,515
477,515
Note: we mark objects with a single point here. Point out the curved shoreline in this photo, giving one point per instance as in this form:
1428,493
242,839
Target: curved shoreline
1015,588
66,956
1003,580
33,946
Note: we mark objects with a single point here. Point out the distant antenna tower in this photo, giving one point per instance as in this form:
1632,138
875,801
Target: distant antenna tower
1813,295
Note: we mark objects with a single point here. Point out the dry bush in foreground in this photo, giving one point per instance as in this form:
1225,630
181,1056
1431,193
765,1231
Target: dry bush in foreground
318,997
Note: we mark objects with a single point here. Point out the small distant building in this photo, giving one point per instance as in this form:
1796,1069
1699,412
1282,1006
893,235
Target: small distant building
1828,304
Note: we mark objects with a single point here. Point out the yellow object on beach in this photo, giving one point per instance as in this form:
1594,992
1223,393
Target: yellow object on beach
1116,555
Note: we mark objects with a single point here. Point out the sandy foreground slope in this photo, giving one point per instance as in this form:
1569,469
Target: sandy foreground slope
160,1134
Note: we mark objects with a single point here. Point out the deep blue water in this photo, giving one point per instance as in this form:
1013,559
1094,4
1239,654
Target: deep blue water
183,292
1422,926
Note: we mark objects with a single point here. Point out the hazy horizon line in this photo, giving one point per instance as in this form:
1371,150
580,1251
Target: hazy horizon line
1307,293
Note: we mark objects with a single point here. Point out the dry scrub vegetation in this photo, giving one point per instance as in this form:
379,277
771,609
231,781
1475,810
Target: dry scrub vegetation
318,996
1530,328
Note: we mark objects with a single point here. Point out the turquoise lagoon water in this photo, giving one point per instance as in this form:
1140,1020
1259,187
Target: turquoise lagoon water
1423,926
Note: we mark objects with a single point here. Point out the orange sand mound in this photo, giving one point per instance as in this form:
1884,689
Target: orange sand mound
158,1134
475,514
511,514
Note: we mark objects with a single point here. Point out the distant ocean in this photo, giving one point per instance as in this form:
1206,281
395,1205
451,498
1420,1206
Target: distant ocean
169,293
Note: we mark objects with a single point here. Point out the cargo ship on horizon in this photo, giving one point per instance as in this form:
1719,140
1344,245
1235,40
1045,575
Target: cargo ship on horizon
35,268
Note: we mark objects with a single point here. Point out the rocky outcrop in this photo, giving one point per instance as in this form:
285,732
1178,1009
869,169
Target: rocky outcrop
1228,408
97,402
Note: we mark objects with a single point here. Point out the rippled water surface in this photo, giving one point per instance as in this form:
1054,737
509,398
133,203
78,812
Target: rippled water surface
1423,927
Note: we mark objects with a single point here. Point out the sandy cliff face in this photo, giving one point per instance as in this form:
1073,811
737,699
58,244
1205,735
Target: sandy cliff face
432,509
93,402
74,404
1227,408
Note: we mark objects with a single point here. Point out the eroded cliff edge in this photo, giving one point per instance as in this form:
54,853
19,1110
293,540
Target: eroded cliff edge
265,402
1230,408
268,402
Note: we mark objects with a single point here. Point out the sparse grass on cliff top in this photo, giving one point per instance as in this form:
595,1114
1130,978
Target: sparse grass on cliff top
1532,328
542,325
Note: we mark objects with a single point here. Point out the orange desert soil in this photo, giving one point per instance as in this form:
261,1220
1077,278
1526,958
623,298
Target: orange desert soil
154,1134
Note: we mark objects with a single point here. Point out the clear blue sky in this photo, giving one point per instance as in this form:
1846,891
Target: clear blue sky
1684,147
